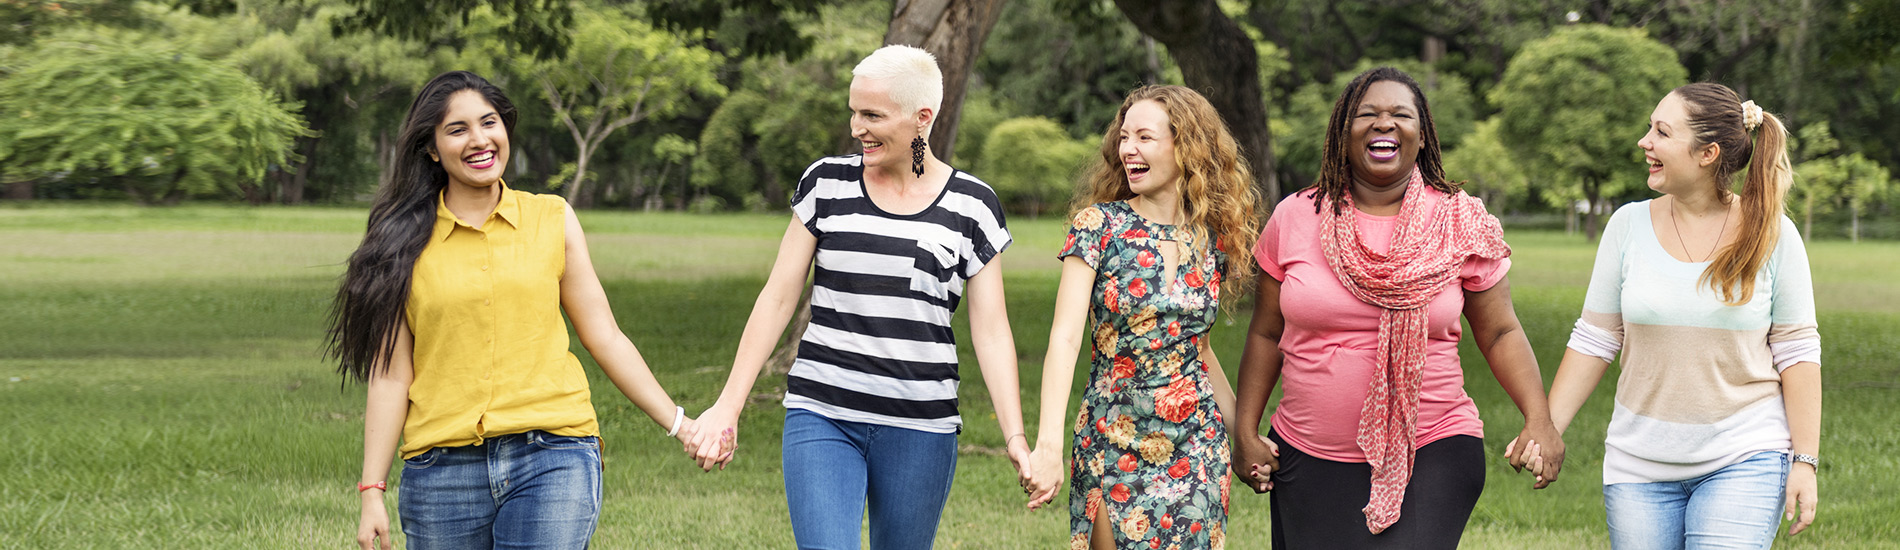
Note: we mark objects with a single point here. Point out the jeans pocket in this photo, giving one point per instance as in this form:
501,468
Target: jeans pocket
553,442
422,461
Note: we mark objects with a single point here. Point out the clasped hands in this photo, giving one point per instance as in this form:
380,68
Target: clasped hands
715,438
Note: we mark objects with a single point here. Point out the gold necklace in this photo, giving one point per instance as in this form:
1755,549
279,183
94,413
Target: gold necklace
1718,234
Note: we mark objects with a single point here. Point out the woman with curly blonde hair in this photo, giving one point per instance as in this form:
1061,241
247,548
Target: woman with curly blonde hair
1147,259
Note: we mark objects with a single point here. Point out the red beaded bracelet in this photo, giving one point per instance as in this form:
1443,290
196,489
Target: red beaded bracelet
380,485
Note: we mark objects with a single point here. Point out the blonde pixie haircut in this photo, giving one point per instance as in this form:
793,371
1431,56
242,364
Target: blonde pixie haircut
911,73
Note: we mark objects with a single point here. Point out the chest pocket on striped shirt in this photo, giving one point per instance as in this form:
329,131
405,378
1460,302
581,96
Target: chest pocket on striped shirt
935,263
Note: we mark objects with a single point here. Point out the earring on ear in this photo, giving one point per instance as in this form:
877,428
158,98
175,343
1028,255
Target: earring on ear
917,155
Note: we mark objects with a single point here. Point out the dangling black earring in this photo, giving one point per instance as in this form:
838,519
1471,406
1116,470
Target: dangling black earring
917,155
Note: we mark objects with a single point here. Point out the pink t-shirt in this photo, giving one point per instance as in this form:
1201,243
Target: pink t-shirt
1332,338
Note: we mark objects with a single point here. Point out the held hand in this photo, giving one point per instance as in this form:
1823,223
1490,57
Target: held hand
716,437
688,434
374,525
1018,451
1804,495
1255,459
1045,476
1540,449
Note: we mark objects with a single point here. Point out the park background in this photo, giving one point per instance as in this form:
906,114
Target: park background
181,180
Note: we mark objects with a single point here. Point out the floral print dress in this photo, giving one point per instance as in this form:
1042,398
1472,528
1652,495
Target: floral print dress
1149,442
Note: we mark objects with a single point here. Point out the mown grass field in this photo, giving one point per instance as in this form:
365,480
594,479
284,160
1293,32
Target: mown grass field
160,376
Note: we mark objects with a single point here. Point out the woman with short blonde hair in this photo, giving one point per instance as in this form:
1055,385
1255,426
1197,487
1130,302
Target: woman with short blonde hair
894,241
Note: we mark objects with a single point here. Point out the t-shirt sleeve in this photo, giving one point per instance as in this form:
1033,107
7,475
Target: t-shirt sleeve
1480,274
991,237
805,196
1793,335
1088,236
1266,251
1599,331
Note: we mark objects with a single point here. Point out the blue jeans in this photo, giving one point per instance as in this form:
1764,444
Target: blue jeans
832,467
1738,506
525,490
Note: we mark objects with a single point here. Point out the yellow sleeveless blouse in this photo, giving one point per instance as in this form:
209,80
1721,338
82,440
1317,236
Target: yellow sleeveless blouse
491,348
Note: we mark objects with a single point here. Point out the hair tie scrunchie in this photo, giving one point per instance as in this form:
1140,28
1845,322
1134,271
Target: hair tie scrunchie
1751,115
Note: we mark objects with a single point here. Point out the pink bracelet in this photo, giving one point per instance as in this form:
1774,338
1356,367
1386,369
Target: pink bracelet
380,485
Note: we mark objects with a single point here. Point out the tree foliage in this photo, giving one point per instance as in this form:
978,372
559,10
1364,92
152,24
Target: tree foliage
1303,133
784,114
618,71
1033,163
1488,168
1575,102
161,122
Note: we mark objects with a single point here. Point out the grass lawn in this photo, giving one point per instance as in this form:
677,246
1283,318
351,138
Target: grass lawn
160,373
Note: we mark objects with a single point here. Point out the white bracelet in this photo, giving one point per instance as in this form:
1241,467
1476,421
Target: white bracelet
679,415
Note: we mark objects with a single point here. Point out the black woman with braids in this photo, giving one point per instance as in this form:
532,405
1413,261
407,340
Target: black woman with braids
1374,443
450,311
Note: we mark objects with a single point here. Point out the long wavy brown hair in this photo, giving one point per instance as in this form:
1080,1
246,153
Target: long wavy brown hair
1217,193
1335,165
1715,115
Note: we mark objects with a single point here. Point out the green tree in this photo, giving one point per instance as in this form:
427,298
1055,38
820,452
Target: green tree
1487,168
784,113
1850,180
1032,163
161,122
619,71
1303,134
1574,103
350,85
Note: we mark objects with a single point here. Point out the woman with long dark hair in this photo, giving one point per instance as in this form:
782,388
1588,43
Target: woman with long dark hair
451,311
1375,443
1706,295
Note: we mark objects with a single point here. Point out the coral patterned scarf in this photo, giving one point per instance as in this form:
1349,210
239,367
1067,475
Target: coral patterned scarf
1426,255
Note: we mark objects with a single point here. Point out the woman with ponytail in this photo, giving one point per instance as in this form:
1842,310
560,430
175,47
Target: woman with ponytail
1706,294
450,311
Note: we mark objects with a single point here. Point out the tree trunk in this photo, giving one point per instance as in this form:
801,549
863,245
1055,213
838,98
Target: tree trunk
1592,191
1807,217
292,191
1854,234
580,171
953,31
1218,60
19,190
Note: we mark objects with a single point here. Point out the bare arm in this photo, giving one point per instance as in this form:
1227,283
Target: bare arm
384,412
1500,337
1577,376
1058,373
586,305
1260,363
1223,392
1801,396
995,349
770,313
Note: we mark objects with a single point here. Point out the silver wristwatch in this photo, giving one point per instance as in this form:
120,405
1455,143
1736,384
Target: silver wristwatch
1811,460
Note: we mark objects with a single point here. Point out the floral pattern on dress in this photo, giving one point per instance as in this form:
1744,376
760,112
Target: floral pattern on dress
1149,444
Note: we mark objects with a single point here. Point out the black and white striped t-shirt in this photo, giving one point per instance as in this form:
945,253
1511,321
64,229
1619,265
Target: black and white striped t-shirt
879,349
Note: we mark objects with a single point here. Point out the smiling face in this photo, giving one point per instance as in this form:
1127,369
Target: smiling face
471,142
1385,134
1676,164
1147,148
881,126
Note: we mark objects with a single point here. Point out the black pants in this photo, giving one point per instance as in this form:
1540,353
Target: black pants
1316,503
